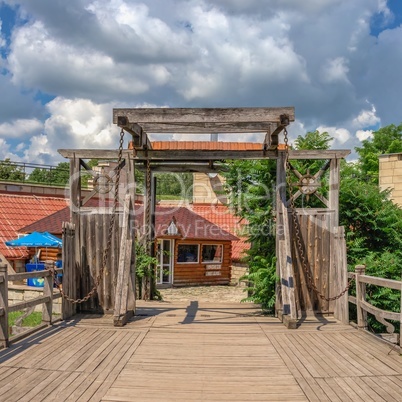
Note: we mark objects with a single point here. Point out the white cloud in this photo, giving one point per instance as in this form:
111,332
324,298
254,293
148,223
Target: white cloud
2,40
5,151
80,123
340,135
335,70
366,118
20,128
364,134
96,54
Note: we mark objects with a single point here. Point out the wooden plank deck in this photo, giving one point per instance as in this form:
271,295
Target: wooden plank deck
200,352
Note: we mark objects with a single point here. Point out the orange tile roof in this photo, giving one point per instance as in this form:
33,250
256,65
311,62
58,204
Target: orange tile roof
17,211
206,145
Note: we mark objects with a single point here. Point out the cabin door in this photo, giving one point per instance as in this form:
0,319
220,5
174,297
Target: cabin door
164,274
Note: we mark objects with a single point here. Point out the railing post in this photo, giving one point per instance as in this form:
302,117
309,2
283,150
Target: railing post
3,305
360,296
48,291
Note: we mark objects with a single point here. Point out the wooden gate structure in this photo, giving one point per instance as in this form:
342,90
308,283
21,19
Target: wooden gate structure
320,243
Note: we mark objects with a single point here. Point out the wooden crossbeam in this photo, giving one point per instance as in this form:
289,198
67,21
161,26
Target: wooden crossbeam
200,155
196,120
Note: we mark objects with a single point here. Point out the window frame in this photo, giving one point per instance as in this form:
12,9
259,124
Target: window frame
212,261
186,245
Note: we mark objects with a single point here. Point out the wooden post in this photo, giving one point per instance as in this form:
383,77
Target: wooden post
121,313
400,324
75,206
69,270
280,189
152,235
334,180
146,280
131,301
360,295
3,306
47,309
286,276
339,274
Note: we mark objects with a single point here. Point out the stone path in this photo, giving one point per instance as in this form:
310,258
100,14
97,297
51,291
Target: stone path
224,294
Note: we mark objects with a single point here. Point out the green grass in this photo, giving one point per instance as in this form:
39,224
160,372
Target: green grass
32,320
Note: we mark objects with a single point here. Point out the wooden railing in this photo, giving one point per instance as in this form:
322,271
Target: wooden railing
46,300
364,307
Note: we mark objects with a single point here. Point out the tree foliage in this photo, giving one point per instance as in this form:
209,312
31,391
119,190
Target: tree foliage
373,224
178,185
386,140
251,187
11,171
58,176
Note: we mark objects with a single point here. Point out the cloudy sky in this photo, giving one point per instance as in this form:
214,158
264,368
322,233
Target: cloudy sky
65,64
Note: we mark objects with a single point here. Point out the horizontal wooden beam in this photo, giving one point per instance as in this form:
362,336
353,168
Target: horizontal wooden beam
168,155
211,119
319,154
388,283
183,167
199,155
207,128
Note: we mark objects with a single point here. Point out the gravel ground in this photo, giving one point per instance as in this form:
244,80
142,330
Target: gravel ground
204,294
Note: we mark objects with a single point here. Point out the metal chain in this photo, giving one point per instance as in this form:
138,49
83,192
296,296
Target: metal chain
310,280
99,277
149,194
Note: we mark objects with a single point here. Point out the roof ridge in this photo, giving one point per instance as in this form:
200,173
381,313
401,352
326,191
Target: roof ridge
49,197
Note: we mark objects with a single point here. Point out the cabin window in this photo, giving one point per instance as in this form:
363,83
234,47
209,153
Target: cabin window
212,253
187,253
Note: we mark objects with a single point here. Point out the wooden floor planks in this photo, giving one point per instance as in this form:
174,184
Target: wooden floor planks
200,352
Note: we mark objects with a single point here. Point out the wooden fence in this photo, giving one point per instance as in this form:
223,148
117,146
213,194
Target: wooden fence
364,307
46,300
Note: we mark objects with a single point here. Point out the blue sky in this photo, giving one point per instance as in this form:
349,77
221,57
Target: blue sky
65,64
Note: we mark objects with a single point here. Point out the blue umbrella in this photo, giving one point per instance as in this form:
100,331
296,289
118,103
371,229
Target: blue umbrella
36,239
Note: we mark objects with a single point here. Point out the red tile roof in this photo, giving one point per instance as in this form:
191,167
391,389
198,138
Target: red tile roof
190,225
206,145
224,218
221,216
17,211
53,222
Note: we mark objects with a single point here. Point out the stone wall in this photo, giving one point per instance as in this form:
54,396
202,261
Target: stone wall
208,189
19,293
238,270
390,176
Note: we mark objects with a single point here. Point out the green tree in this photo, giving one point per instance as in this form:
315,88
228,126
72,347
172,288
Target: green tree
58,176
251,186
251,193
11,171
373,224
386,140
178,185
314,140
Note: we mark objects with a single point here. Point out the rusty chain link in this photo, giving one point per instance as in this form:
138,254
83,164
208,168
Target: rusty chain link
106,251
310,280
148,195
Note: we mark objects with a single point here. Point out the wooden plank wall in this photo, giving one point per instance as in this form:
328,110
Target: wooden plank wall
94,229
195,273
45,253
316,242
